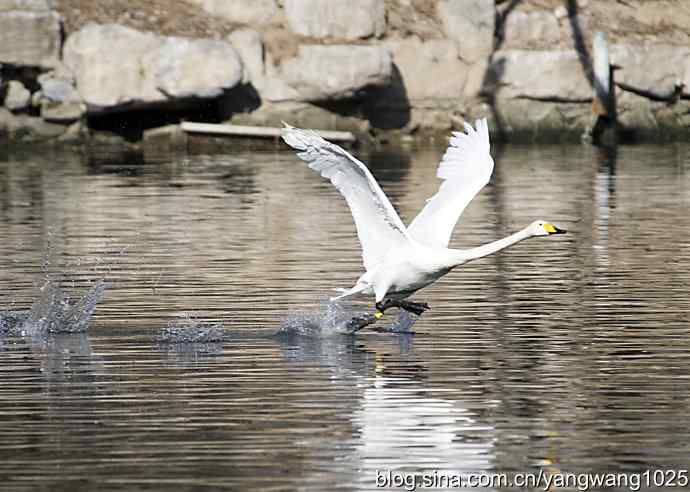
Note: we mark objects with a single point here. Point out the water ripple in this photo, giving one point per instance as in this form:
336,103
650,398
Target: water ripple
562,354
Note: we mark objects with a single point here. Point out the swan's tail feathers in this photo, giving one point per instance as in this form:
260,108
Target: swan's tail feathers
356,290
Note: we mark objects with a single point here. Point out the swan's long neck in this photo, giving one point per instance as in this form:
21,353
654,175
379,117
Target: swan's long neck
465,255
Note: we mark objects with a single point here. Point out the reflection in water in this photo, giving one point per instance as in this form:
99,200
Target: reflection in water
566,355
63,356
604,200
401,427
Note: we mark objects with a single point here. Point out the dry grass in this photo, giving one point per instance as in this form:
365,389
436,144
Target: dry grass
168,17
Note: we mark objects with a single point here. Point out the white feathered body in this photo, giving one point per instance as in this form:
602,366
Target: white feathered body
406,270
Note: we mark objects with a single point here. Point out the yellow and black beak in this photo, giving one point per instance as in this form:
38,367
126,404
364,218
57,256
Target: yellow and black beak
552,229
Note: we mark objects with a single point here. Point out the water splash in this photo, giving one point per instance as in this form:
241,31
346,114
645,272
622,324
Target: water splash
54,311
188,329
11,321
189,341
332,320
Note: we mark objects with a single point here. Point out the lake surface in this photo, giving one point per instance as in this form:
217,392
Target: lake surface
563,354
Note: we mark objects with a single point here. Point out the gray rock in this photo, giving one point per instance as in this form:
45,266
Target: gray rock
661,15
272,87
653,68
431,69
250,12
17,97
74,133
527,120
39,129
62,112
58,98
300,114
275,89
476,79
634,111
113,65
471,24
196,68
529,29
58,85
543,75
330,72
349,20
249,46
165,139
57,89
28,128
116,66
29,37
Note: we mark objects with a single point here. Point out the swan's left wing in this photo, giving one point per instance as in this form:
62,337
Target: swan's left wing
465,168
378,225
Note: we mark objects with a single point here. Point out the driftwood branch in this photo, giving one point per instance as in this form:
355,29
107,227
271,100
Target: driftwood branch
668,95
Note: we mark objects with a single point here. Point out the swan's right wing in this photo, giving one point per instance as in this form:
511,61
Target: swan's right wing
378,225
465,168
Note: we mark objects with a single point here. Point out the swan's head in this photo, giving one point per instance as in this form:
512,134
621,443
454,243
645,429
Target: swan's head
543,228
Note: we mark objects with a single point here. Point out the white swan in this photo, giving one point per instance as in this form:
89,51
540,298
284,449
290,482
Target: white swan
401,260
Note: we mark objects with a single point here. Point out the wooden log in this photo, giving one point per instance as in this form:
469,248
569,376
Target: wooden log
257,131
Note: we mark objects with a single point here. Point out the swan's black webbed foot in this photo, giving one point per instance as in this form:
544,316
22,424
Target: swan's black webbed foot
417,308
413,307
359,322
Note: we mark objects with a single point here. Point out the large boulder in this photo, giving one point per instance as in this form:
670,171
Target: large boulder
543,75
202,68
116,66
470,23
29,33
430,69
113,65
250,12
330,72
349,20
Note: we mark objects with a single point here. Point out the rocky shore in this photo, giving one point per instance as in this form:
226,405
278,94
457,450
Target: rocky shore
73,71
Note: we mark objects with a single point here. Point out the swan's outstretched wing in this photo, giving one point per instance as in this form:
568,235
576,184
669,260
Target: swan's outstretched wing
378,225
465,168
